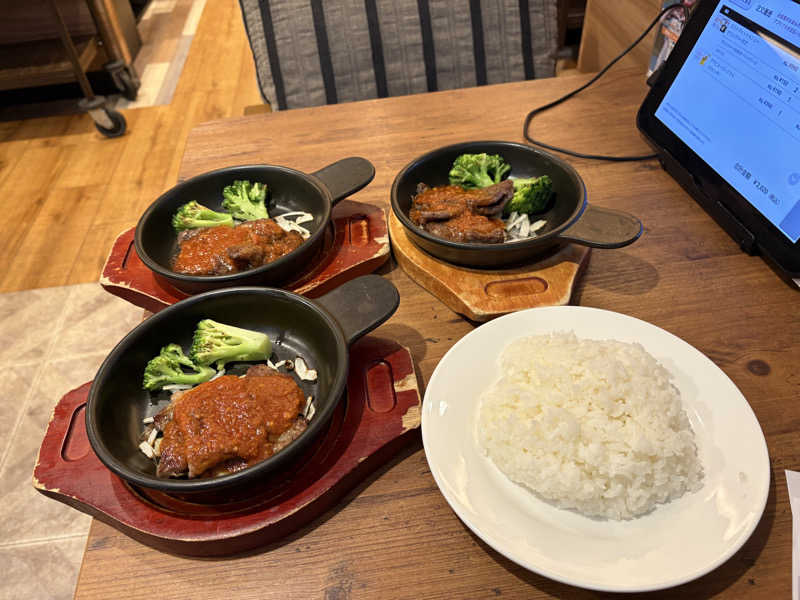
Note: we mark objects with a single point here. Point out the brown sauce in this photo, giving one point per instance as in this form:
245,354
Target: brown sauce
221,250
231,420
454,213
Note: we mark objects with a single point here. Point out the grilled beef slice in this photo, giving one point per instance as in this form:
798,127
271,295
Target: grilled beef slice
454,213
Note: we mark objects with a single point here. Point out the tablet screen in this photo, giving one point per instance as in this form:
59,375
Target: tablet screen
736,104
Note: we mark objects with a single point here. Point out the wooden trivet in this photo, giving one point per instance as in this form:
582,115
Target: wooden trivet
481,294
378,415
357,244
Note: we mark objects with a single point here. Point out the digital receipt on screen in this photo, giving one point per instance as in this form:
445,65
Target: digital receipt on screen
736,104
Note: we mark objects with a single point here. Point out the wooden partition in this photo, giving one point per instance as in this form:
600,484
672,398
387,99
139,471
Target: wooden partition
610,26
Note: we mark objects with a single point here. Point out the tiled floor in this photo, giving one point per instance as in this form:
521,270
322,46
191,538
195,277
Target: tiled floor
166,28
51,341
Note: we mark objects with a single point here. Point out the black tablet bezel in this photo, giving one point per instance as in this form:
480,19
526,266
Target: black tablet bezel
729,208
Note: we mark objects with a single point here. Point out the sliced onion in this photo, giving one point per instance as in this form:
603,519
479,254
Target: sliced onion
286,224
302,370
146,449
278,364
519,227
310,409
175,387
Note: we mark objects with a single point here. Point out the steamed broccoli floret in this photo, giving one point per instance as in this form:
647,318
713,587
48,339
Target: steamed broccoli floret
167,369
220,343
246,200
478,170
530,195
193,215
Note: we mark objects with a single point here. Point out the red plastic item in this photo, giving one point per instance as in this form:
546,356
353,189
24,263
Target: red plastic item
380,414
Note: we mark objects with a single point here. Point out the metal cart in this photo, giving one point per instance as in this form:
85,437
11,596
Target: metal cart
112,45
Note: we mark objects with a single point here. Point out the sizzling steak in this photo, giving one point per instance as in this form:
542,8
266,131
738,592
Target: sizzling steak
221,250
469,227
454,213
230,423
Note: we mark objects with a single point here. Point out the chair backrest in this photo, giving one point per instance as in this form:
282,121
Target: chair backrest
309,53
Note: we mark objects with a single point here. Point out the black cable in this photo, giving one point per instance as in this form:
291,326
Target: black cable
529,117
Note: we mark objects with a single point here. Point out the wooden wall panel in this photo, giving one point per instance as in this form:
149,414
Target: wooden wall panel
610,26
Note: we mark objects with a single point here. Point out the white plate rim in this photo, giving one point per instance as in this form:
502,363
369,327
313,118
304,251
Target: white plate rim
759,501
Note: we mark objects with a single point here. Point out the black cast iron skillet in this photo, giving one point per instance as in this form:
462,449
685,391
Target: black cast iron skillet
289,190
320,331
570,218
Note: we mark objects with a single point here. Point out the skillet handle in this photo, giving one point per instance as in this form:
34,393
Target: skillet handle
603,228
346,176
362,304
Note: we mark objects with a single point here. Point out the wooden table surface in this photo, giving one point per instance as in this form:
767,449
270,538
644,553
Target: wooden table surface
395,536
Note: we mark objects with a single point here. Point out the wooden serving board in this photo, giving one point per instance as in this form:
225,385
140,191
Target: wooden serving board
481,294
378,415
357,244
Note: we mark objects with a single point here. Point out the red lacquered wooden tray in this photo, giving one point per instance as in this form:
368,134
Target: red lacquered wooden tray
357,243
380,413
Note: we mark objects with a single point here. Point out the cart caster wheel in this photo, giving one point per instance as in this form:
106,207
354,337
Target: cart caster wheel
117,127
108,121
129,88
125,78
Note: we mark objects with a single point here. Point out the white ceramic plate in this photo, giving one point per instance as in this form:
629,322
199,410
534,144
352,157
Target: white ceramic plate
675,543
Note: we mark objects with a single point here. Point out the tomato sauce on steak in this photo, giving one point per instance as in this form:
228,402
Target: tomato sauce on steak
221,250
229,423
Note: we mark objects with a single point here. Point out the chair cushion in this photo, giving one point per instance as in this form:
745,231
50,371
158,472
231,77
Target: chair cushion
313,53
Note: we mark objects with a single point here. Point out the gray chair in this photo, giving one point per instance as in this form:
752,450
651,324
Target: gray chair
310,53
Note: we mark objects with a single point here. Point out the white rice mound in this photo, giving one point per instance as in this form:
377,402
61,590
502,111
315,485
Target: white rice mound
594,426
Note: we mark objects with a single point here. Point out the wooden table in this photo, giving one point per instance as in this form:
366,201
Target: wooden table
395,536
